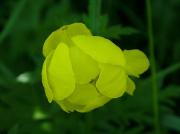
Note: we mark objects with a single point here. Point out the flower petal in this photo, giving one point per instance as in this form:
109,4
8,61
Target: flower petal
60,35
84,67
130,86
68,107
100,49
87,96
95,103
60,73
48,90
136,62
112,81
83,94
76,29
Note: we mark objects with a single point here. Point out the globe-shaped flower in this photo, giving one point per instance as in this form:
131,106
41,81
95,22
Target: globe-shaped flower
82,72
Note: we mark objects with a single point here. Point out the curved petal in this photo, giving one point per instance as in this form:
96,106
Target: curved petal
136,62
84,67
45,82
76,29
84,99
100,49
65,106
60,73
83,94
130,86
62,35
112,81
86,95
97,102
68,107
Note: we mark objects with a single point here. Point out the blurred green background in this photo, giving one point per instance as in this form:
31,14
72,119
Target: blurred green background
24,26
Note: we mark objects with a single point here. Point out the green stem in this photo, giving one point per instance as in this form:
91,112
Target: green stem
153,68
94,15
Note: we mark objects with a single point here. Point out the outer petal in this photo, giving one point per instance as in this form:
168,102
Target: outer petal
83,94
130,86
69,107
86,95
84,67
137,62
97,102
45,82
76,29
112,81
62,34
100,49
60,73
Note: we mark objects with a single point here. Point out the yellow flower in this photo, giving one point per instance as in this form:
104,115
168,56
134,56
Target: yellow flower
82,72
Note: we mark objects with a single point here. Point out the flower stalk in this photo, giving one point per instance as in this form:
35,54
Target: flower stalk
94,11
153,68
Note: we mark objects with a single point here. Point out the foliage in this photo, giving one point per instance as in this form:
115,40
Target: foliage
24,26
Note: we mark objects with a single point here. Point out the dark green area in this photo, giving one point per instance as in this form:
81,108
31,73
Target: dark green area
24,26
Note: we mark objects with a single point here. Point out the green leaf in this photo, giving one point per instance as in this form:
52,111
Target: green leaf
172,122
117,31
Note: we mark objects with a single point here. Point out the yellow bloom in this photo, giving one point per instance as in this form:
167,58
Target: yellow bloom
82,72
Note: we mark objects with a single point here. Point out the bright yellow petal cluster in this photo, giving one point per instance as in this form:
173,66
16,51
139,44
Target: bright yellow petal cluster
82,72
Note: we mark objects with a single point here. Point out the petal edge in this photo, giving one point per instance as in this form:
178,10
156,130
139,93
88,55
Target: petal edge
136,62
